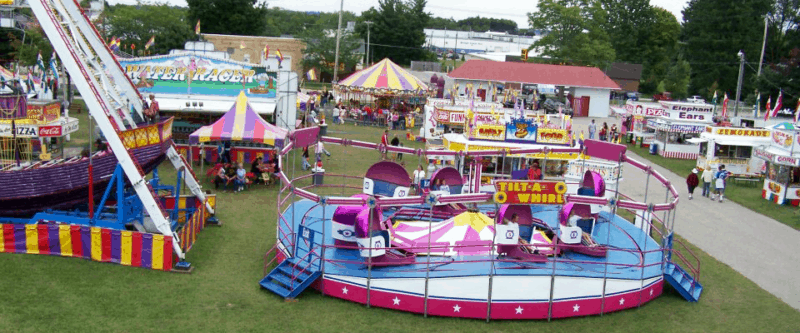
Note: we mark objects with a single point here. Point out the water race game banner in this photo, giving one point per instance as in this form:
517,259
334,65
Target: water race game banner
198,75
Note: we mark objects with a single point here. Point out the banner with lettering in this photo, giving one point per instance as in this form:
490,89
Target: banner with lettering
200,75
529,192
521,130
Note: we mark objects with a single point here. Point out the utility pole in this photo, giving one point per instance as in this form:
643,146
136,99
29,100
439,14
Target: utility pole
368,23
338,37
763,45
455,51
739,85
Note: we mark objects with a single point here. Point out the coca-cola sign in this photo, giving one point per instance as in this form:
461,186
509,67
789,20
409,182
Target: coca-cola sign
50,131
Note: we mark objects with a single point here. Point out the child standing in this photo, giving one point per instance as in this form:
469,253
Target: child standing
707,176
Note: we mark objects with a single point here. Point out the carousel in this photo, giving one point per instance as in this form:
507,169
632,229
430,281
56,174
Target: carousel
383,87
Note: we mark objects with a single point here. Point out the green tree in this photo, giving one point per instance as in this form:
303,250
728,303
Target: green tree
659,49
714,31
231,17
783,34
35,42
135,24
398,30
576,35
677,79
628,24
320,51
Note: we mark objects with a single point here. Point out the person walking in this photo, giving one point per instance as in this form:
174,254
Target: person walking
692,181
395,142
305,165
707,177
604,132
719,181
592,130
385,143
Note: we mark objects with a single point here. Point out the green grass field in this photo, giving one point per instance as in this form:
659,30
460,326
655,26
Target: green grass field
747,196
42,294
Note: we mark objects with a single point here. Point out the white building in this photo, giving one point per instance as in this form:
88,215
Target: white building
464,42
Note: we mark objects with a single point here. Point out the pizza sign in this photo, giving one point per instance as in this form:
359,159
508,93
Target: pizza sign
530,192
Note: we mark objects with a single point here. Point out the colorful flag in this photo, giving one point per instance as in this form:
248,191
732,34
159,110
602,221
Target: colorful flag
241,45
40,62
54,65
311,75
197,28
725,106
778,104
279,55
150,43
767,109
266,51
797,111
714,100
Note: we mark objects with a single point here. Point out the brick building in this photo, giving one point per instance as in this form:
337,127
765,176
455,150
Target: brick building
254,46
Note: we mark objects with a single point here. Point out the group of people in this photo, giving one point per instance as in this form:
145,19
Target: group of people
228,173
319,149
606,134
718,178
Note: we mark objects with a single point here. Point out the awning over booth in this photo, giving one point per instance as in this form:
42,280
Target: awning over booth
240,123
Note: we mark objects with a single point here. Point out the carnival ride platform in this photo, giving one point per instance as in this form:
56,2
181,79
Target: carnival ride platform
461,286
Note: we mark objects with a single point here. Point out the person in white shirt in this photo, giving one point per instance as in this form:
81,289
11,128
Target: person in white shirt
336,114
444,187
320,149
419,175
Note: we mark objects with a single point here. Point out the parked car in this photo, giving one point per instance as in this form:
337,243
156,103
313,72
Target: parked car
666,96
551,106
696,99
631,96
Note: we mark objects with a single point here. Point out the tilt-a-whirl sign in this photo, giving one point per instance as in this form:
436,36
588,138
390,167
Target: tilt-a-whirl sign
529,192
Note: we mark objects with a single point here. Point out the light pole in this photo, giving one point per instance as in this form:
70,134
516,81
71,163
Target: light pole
368,23
338,37
739,85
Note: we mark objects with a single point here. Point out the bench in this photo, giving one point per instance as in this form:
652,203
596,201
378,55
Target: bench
748,181
75,107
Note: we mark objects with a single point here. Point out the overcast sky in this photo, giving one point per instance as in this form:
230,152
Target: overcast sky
457,9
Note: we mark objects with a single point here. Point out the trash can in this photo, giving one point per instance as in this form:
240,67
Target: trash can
639,141
318,177
629,138
653,149
323,129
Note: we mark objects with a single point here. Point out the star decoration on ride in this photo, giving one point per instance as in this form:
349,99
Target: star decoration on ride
456,308
621,301
431,199
396,301
651,292
576,308
612,202
344,290
372,202
518,309
323,201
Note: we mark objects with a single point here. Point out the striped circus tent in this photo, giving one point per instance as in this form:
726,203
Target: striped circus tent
385,75
241,123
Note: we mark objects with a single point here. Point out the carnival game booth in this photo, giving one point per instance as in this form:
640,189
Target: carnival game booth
32,132
642,112
382,85
673,138
733,147
406,255
442,115
782,156
249,135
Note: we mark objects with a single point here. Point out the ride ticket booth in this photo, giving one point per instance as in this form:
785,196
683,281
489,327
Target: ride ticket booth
32,131
782,166
733,147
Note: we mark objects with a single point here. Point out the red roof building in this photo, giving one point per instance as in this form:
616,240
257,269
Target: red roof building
519,72
588,87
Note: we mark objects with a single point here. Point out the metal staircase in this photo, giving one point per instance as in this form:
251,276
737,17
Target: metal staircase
295,274
682,280
109,95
